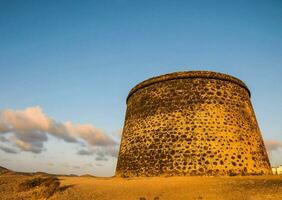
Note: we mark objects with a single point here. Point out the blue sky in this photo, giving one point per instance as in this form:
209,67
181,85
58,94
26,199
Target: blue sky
77,61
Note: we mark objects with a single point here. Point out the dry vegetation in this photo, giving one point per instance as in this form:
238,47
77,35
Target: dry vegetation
19,186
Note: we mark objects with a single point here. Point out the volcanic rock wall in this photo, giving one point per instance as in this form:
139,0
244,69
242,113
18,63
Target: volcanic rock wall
191,123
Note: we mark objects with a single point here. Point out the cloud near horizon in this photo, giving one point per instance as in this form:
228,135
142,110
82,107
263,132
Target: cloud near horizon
28,130
273,145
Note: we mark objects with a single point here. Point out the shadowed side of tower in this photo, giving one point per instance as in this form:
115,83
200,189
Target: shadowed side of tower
191,123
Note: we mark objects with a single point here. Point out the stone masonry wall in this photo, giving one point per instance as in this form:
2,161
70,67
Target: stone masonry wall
191,123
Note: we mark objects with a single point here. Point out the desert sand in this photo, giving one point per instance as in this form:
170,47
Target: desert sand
19,186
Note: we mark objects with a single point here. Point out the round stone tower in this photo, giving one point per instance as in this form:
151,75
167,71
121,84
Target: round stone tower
191,123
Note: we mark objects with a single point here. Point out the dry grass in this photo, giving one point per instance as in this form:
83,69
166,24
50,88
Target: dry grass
20,186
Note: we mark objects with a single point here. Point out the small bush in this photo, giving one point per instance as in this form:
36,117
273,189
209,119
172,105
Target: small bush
48,186
32,183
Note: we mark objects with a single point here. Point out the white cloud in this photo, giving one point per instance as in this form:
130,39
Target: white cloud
8,149
273,145
28,130
100,153
85,152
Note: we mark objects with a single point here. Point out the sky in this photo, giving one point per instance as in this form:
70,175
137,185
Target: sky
66,68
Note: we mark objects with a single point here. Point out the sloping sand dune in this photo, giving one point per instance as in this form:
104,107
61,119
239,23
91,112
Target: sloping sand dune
26,186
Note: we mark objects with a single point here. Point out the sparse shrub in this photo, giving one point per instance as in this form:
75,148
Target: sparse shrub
28,184
48,186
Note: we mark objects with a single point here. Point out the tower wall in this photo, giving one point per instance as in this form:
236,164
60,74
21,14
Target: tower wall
191,123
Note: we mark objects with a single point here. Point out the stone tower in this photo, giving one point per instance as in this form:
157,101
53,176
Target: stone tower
191,123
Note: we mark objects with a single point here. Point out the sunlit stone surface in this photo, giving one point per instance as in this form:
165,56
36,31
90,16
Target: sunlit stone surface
191,123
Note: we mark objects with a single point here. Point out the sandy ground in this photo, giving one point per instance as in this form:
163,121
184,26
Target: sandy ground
39,186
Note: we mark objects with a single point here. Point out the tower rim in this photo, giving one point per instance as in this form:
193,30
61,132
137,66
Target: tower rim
187,74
